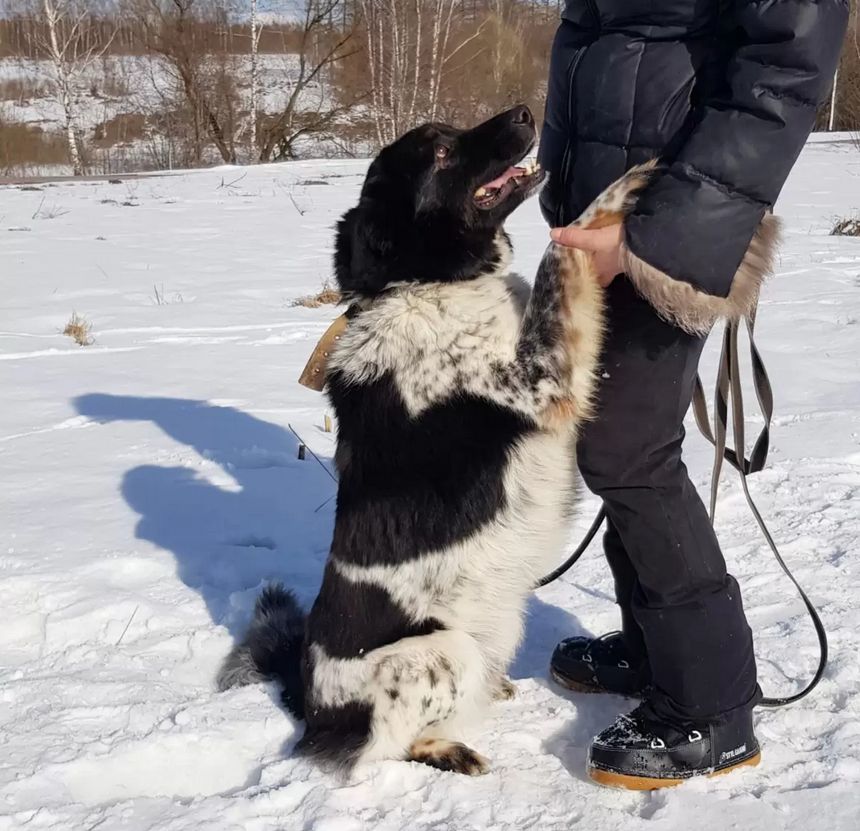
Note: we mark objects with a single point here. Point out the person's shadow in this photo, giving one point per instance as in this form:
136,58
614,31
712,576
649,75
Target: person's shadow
268,516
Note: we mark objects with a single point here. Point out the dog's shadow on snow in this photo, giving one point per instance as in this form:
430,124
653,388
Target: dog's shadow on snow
253,516
248,518
546,625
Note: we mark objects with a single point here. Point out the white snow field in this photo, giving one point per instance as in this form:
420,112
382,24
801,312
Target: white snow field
150,485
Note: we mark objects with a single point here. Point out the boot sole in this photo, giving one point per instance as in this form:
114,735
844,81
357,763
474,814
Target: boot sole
574,686
590,689
611,779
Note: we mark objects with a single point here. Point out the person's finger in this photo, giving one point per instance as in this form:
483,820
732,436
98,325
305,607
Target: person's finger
588,239
575,238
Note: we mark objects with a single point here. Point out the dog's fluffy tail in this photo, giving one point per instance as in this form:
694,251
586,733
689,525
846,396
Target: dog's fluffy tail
271,649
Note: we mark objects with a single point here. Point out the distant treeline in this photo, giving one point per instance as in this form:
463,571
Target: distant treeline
355,74
21,35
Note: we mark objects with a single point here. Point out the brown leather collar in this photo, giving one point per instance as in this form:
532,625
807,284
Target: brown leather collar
314,374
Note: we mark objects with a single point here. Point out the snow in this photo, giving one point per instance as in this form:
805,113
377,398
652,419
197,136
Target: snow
836,135
151,485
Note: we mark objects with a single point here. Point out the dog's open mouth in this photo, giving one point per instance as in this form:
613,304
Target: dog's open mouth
515,178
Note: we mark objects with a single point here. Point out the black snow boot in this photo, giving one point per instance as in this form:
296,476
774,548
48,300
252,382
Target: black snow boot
599,665
642,752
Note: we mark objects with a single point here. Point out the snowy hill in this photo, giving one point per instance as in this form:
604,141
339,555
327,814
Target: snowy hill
150,485
121,103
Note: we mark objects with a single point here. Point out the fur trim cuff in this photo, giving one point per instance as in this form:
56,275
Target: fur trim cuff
694,310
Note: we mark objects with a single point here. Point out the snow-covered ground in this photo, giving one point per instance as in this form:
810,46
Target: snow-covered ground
150,485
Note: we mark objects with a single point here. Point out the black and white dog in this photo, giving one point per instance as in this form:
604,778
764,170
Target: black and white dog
458,390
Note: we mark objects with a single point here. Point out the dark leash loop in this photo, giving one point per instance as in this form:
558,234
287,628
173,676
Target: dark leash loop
728,394
577,553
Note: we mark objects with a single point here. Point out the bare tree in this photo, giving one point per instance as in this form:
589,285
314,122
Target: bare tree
66,42
321,46
506,43
207,81
256,31
408,45
441,19
842,109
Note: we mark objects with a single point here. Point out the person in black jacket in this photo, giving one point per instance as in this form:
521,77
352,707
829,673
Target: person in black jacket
725,94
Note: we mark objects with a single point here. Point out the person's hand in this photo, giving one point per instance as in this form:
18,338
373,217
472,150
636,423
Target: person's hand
603,243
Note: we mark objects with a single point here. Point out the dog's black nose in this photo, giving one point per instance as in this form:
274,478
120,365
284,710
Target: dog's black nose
522,115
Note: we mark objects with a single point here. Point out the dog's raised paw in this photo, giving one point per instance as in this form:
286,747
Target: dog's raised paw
450,756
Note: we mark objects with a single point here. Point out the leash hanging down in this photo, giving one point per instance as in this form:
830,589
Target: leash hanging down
728,392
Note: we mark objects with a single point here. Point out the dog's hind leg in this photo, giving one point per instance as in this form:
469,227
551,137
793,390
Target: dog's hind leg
421,688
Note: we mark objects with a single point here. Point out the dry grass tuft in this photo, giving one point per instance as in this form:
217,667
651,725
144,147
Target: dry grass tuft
846,228
328,295
79,330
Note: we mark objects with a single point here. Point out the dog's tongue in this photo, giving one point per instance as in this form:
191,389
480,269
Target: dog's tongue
500,180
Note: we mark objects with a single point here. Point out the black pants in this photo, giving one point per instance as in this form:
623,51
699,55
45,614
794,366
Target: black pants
679,607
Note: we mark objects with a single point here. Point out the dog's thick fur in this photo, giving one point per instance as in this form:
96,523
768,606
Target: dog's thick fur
458,391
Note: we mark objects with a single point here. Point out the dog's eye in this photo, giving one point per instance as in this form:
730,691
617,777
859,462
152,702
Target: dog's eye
441,151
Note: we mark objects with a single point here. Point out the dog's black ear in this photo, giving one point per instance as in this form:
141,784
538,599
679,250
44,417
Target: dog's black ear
343,251
365,259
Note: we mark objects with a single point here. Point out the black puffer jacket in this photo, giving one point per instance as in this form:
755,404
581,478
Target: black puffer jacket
725,93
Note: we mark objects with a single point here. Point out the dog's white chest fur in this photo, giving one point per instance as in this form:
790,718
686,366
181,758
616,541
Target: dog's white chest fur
436,339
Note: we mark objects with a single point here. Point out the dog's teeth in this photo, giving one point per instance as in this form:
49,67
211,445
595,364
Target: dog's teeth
481,191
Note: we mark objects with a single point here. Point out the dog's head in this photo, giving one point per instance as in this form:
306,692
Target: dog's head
433,204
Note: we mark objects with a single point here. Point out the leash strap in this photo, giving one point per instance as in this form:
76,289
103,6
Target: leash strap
728,392
578,551
727,383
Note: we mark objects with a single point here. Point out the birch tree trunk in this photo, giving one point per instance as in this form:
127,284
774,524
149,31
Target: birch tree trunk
71,133
71,50
59,55
255,39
